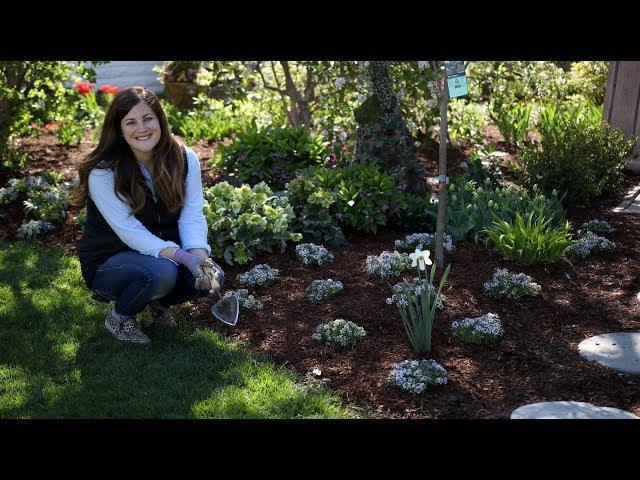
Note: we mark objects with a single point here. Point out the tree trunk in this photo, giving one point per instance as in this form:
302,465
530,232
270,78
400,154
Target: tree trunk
442,170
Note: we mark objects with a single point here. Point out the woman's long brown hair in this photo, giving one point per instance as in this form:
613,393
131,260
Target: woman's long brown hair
114,152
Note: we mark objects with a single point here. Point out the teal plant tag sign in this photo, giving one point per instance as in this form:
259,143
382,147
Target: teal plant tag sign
456,79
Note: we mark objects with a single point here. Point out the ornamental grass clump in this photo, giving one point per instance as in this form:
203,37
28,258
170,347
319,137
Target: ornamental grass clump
486,328
312,254
244,299
597,226
387,264
590,244
416,375
417,301
424,241
531,239
259,276
339,333
319,290
33,229
511,286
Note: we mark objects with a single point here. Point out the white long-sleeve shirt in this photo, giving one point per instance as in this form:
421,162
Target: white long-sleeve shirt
192,225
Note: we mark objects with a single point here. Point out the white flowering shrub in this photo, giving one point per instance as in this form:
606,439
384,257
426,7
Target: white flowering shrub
33,229
416,375
312,254
339,333
406,292
260,275
590,244
244,299
387,264
319,290
49,204
424,241
486,328
597,226
511,286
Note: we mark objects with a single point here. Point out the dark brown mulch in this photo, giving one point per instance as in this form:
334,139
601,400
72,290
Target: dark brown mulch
536,360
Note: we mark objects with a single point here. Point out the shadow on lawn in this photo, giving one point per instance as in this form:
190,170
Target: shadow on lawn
59,361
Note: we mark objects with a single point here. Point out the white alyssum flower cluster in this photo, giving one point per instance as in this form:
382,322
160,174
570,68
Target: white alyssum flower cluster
387,264
244,299
312,254
319,290
478,329
260,275
405,293
416,375
597,226
339,333
511,286
424,241
340,82
590,244
35,183
33,229
8,195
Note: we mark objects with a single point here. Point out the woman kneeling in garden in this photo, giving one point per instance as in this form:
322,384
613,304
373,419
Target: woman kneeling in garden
145,236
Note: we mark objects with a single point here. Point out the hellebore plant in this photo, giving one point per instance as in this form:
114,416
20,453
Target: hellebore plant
418,305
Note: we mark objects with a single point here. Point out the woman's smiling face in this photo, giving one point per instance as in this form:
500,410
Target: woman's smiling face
141,129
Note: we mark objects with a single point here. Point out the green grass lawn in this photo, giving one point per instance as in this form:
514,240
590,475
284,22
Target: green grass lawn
58,360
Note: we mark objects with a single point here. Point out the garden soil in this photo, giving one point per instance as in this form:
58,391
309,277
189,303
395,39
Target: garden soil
536,360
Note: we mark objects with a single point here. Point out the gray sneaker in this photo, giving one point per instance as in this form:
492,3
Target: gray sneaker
160,316
125,330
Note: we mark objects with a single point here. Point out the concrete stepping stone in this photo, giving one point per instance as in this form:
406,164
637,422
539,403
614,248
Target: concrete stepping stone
568,410
620,351
631,202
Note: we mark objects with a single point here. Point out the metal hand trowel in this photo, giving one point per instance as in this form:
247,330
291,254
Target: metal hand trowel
227,309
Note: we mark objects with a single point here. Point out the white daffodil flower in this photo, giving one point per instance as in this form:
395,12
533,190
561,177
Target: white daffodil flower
420,258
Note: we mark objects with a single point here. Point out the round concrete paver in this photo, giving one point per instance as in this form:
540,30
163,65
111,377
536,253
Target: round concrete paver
620,351
568,410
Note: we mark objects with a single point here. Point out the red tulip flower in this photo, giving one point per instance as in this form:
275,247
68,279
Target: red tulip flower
83,87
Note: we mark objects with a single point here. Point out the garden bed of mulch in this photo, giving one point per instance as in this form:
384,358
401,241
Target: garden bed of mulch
536,360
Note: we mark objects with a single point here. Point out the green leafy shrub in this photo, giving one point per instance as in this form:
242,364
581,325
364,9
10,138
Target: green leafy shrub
271,154
361,196
209,119
315,216
413,211
528,241
588,81
70,133
582,160
517,81
512,119
466,121
30,92
245,221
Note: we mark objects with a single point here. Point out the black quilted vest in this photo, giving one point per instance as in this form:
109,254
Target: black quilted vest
99,242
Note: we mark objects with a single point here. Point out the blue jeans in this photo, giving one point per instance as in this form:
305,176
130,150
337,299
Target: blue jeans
133,280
